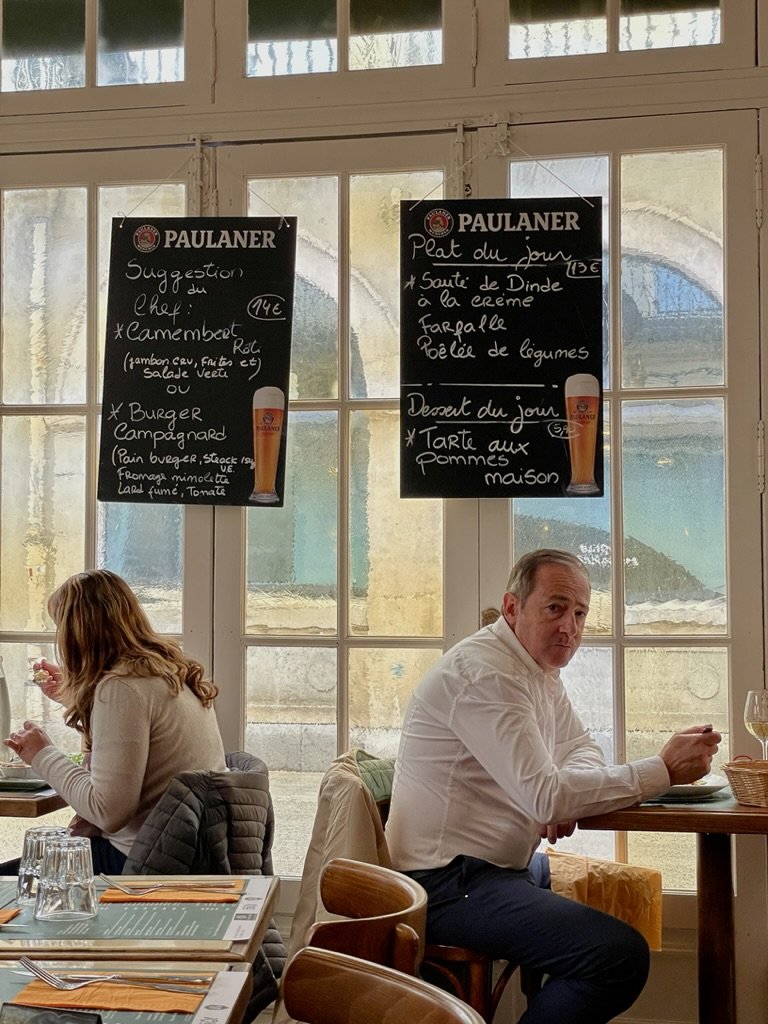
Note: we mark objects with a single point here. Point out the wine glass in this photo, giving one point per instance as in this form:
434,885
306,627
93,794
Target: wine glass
756,717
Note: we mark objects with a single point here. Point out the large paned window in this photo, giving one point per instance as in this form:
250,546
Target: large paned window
562,29
55,261
341,605
661,647
298,38
44,43
318,618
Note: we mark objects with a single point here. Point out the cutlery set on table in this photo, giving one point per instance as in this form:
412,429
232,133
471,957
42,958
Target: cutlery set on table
139,988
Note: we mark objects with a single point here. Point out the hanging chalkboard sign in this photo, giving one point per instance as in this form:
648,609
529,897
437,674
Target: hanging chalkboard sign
197,360
501,348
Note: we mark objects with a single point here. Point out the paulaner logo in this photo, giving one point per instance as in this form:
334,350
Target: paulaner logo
438,222
146,238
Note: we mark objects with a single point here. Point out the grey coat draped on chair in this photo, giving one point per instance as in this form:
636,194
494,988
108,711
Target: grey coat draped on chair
217,823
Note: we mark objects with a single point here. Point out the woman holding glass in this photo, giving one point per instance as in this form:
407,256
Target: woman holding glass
142,706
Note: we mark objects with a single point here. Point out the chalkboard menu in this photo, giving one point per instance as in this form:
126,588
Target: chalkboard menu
197,360
501,348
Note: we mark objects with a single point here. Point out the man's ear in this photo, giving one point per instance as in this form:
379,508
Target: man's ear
510,607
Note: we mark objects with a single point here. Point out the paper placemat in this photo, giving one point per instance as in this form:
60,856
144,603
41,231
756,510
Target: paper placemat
106,996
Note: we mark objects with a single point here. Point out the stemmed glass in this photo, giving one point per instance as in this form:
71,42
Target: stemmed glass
756,717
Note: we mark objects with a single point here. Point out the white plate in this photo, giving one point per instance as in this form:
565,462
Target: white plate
696,790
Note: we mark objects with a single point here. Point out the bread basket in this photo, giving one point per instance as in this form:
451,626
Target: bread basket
749,780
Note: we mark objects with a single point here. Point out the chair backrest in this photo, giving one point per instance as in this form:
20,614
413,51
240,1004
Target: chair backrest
384,914
209,822
323,987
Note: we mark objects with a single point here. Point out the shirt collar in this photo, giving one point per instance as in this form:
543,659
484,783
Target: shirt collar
508,637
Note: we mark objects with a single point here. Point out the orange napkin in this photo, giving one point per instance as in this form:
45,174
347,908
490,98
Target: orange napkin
6,915
170,895
629,892
109,997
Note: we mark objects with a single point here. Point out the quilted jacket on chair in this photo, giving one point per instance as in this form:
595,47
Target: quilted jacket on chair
217,823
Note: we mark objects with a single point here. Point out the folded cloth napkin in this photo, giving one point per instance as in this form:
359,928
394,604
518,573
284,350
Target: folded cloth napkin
6,915
170,895
109,997
631,893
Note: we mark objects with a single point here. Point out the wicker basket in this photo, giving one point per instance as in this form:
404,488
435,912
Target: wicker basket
749,780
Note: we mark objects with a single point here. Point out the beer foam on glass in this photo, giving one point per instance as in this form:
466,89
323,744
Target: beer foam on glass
582,399
268,412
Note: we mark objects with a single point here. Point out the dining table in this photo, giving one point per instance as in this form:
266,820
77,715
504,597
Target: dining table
714,821
224,990
224,924
22,801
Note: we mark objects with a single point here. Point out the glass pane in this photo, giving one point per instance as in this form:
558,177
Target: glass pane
140,43
396,546
563,178
556,28
291,38
42,514
28,701
291,554
44,311
588,681
667,689
152,200
315,336
291,725
374,287
659,24
672,269
674,517
381,680
387,35
579,525
673,855
43,45
145,545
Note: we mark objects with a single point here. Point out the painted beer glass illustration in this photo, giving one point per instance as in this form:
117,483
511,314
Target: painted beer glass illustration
582,397
268,413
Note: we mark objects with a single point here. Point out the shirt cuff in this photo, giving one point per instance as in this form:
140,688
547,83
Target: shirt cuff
653,776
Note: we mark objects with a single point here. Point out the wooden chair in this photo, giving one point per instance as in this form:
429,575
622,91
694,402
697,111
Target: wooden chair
469,974
385,914
323,987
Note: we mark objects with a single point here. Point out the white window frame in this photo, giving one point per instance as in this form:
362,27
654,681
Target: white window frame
293,95
737,21
196,89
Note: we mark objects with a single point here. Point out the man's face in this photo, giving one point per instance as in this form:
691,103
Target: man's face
550,623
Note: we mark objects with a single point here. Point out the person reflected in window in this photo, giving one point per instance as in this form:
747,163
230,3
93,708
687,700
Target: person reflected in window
493,758
143,708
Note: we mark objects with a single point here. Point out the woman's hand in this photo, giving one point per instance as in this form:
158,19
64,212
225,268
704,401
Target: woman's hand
28,741
48,677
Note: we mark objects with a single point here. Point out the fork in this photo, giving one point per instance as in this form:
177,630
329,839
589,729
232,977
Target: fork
69,985
134,890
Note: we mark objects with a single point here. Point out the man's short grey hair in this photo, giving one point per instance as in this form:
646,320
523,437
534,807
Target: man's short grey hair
522,579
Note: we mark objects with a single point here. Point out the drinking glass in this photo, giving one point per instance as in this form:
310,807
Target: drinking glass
66,891
756,717
35,840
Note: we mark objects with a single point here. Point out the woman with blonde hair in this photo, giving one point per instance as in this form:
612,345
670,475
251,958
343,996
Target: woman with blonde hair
143,708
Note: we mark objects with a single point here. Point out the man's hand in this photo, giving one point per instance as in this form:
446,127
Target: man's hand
688,754
558,831
28,741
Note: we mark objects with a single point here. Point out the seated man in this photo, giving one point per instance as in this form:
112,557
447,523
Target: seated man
492,759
